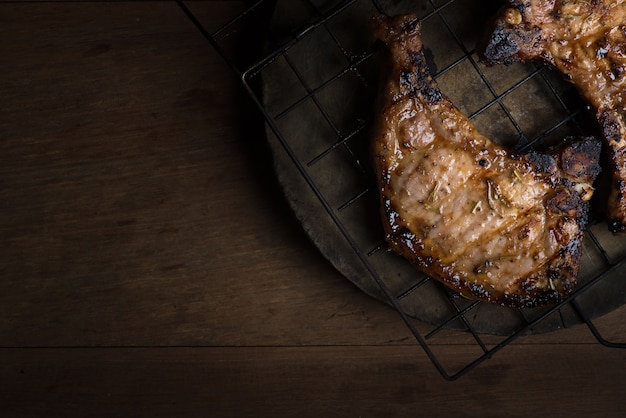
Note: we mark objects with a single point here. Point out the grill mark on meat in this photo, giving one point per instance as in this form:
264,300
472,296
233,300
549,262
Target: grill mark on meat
491,224
586,41
499,224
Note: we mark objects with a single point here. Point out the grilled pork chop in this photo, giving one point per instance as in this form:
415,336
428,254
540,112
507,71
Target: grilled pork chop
492,225
586,41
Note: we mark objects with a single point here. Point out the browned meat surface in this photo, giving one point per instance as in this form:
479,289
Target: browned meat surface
492,225
586,41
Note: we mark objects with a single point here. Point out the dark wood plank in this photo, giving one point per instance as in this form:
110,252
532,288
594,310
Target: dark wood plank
132,210
308,382
111,123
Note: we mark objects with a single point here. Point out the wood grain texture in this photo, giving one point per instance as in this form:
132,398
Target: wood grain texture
149,265
309,382
136,208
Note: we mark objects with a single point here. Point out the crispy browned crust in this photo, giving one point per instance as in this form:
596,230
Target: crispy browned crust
586,41
408,89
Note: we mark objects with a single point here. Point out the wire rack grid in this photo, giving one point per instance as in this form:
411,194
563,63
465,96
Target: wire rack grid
308,103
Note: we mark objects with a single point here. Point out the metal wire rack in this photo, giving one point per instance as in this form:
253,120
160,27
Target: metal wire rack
312,82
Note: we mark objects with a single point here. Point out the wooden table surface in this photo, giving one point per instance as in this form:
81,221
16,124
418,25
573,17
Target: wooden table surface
150,266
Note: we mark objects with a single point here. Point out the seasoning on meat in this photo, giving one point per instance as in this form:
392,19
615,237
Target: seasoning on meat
492,225
586,41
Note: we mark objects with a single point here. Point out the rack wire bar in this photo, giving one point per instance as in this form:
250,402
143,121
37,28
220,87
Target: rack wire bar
320,18
593,328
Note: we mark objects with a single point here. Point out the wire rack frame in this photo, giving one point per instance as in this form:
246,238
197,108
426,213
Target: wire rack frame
320,16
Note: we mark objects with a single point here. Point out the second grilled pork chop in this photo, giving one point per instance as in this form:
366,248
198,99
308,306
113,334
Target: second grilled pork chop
492,225
586,41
